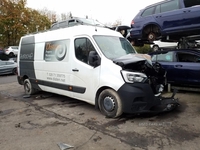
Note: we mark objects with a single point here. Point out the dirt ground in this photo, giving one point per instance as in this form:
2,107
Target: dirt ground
42,121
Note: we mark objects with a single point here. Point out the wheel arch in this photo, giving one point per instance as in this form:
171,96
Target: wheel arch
157,46
98,93
24,78
151,27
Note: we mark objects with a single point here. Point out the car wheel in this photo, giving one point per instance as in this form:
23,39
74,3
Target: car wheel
28,88
151,36
110,103
155,48
14,71
11,54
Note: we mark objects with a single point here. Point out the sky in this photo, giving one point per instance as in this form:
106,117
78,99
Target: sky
105,11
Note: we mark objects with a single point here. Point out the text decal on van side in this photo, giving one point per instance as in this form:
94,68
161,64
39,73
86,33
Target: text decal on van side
58,77
55,50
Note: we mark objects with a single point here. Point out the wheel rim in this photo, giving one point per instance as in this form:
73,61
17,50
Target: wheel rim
151,36
155,48
109,103
15,71
27,87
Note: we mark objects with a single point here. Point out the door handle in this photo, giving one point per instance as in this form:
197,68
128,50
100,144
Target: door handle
185,11
178,65
75,70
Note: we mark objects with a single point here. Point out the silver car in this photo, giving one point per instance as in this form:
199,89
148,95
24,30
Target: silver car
8,67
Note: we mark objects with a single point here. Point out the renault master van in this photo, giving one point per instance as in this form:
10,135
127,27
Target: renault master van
92,64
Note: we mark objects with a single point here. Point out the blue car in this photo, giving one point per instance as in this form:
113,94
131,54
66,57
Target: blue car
168,20
182,65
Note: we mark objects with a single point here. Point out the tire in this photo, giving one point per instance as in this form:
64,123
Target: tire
14,71
11,54
155,48
151,36
28,88
110,103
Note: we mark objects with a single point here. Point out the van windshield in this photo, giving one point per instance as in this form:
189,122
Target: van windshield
114,47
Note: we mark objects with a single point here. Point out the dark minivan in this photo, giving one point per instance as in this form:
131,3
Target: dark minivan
166,20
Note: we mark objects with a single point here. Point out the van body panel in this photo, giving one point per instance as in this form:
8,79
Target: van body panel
51,62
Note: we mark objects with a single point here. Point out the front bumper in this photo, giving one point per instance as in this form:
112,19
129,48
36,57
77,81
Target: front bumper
139,98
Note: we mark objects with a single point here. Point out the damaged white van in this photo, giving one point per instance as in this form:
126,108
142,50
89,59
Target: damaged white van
92,64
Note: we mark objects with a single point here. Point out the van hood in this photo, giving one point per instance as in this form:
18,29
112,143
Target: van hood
132,58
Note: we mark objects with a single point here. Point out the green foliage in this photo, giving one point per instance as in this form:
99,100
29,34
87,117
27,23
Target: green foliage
17,20
144,49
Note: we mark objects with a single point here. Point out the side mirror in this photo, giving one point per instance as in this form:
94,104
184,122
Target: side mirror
94,59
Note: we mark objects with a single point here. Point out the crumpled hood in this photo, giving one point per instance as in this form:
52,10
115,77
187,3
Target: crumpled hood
142,63
132,58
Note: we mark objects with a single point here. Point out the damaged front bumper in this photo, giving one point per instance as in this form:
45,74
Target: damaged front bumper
140,98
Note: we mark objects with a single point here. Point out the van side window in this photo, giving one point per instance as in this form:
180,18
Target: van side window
83,46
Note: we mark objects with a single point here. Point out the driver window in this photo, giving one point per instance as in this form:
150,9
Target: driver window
83,46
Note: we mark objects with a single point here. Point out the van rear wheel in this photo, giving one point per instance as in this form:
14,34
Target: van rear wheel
28,88
110,103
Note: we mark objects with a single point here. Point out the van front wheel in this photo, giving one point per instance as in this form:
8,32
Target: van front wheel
110,103
28,88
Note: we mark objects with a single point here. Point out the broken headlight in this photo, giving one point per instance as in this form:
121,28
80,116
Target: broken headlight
132,77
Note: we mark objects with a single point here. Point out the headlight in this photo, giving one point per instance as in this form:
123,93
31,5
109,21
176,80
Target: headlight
132,77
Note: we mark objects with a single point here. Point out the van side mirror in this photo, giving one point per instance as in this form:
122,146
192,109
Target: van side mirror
94,59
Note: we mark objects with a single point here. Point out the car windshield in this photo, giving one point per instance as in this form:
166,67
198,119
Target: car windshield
114,47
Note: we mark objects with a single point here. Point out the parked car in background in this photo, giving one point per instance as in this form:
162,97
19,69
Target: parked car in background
166,20
75,21
158,45
11,51
123,29
8,67
182,65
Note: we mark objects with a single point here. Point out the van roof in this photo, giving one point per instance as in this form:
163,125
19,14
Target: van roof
64,33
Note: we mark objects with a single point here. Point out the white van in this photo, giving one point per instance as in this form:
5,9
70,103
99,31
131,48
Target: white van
93,64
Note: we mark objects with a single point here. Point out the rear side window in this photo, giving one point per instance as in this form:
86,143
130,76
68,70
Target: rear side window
148,11
169,6
190,3
157,10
